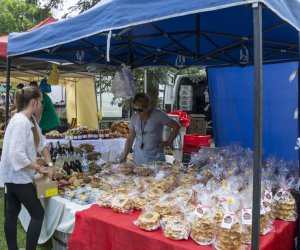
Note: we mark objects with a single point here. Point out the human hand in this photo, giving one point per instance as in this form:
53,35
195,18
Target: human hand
51,172
42,169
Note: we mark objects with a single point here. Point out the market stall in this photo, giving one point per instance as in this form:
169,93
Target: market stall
165,37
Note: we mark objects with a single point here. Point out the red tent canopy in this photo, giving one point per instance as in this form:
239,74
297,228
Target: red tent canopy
4,38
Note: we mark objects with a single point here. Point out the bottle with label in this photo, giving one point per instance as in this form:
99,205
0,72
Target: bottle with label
75,136
90,134
85,135
59,148
51,148
79,135
106,134
96,135
101,134
70,148
66,167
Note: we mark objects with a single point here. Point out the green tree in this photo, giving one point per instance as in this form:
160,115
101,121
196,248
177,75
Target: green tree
18,15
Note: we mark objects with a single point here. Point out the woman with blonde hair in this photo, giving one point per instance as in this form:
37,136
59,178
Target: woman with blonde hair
146,131
22,140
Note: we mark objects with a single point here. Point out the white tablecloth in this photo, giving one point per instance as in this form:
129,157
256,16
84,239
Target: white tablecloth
59,215
111,149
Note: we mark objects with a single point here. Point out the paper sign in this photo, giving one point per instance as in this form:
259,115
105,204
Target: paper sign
200,210
51,192
268,196
279,194
227,220
247,216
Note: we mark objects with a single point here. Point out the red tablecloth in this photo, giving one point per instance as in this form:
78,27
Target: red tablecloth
103,229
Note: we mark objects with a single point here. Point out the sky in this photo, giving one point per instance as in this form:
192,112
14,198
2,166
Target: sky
64,9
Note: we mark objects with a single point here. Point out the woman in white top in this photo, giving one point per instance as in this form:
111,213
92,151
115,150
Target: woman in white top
22,140
146,129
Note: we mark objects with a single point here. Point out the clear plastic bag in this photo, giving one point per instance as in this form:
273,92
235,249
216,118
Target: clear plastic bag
123,84
175,228
229,234
148,221
122,203
202,221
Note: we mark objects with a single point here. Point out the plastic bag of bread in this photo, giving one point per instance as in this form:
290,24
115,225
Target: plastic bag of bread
284,202
105,200
148,221
182,193
140,201
142,170
86,147
246,204
165,206
229,234
122,203
202,220
175,228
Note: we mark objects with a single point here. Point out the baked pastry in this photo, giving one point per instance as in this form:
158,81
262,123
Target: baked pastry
148,221
175,229
203,229
228,239
105,199
139,203
122,204
155,193
285,208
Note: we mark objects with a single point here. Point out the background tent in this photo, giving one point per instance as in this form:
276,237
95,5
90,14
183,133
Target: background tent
155,33
81,102
4,38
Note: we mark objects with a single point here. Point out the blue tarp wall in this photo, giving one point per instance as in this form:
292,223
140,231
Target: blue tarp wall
232,93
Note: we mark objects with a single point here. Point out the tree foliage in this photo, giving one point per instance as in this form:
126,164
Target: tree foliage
20,15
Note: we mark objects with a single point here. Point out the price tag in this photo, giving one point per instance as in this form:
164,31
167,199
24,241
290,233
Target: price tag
200,210
262,208
247,216
228,220
266,206
268,196
279,194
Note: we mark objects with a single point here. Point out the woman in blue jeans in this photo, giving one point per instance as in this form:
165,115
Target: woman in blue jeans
22,140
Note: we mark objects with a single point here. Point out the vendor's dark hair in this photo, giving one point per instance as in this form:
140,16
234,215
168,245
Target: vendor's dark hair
33,84
141,99
25,95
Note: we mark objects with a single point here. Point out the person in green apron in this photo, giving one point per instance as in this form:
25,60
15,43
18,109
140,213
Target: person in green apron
48,120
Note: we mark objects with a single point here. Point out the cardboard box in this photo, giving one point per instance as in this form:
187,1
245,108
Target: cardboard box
45,187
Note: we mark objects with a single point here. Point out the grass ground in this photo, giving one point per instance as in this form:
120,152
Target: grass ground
21,231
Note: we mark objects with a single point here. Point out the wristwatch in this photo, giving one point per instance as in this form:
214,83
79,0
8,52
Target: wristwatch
49,164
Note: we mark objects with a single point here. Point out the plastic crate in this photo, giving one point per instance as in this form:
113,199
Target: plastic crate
185,93
185,102
186,87
186,107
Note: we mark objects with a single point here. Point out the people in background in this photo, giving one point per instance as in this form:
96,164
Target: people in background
146,130
48,120
22,140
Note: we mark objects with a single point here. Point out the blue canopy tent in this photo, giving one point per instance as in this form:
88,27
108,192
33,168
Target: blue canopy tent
175,33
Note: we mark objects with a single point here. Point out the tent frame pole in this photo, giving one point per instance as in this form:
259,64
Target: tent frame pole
8,63
298,196
257,160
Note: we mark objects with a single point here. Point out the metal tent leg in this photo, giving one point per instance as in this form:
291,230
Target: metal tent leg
257,161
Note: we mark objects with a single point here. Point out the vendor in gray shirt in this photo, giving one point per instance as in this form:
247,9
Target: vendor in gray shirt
146,129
